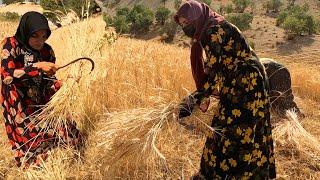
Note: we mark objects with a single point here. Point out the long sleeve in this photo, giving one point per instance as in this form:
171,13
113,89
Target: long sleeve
9,65
213,64
51,84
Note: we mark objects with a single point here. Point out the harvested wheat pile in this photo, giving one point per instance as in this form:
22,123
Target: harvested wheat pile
297,151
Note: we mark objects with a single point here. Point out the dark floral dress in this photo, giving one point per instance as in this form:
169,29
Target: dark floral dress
242,147
24,89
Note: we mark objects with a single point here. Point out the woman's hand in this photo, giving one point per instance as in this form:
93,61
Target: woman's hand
48,67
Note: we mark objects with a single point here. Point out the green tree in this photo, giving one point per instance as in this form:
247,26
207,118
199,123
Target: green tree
141,18
170,29
121,24
241,20
296,20
162,14
293,25
123,11
108,19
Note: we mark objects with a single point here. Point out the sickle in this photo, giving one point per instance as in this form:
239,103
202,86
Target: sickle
76,60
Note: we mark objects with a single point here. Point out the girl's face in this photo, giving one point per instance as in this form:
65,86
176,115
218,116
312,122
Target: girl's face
37,39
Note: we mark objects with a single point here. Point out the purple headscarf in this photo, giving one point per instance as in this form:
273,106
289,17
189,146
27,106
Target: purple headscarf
202,17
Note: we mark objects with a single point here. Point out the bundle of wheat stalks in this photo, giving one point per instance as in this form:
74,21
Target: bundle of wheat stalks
145,143
296,148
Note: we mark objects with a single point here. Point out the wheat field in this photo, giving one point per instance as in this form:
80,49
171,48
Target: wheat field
126,106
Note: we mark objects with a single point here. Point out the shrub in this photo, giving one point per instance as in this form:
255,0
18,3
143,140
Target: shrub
80,7
123,11
9,16
136,20
294,25
170,29
228,9
241,20
108,19
273,5
121,24
141,18
296,21
162,14
241,5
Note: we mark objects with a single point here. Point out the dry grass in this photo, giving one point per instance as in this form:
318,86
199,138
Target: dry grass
297,151
126,107
306,81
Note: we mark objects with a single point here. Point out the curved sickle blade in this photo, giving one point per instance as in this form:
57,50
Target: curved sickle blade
76,60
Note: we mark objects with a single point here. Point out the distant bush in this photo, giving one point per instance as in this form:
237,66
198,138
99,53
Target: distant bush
228,9
123,11
108,19
141,18
12,1
241,20
9,16
273,5
121,24
80,7
241,5
296,21
170,29
137,20
162,14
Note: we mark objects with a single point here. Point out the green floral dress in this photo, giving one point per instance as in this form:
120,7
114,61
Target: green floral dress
242,146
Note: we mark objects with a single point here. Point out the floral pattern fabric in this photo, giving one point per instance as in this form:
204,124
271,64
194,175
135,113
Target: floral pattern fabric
242,146
24,89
